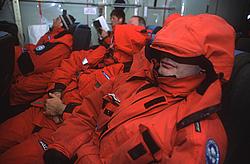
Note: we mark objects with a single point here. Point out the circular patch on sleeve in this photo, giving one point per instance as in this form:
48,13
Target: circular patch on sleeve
212,152
40,47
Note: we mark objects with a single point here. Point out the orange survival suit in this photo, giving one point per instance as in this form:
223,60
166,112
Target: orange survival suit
35,63
145,118
36,128
83,63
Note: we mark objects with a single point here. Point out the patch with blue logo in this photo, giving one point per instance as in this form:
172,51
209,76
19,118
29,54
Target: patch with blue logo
212,152
40,47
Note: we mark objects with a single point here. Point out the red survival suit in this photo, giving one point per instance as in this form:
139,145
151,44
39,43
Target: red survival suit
35,63
127,40
82,62
143,118
80,82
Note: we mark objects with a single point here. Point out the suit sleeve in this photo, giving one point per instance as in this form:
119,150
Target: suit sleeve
68,68
89,153
97,55
79,61
80,127
201,142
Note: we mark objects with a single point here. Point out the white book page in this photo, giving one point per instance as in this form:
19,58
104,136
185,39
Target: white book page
103,23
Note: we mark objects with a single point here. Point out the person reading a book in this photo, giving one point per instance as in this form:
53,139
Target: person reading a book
117,16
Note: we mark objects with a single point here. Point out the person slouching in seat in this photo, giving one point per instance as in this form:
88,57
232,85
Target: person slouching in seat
117,17
25,137
164,110
35,63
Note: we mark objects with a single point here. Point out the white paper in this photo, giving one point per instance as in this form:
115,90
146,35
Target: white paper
90,10
103,23
35,32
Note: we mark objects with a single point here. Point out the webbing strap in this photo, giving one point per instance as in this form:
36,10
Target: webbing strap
139,150
154,101
148,139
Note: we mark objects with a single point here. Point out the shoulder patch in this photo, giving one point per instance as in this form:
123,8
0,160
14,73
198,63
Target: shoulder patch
40,47
212,152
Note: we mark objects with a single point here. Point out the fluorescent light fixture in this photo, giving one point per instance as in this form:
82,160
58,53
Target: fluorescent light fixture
248,17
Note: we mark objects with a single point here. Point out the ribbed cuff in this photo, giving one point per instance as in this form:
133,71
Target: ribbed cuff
59,87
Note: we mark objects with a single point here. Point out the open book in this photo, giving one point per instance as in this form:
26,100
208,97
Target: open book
101,24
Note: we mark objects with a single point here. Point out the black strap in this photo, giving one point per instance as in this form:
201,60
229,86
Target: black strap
127,66
70,107
210,78
195,117
74,158
61,34
104,103
147,86
154,101
148,139
25,63
49,46
133,78
137,151
59,87
104,129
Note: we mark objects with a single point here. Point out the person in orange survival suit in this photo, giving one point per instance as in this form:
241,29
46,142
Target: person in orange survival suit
164,113
171,18
35,63
127,40
117,17
32,129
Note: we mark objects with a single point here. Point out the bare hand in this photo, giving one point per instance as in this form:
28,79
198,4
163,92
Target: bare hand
57,119
54,106
104,34
58,94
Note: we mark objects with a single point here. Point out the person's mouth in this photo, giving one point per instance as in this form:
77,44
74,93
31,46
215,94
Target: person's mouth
167,65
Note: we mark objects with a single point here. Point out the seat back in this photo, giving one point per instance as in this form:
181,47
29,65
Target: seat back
6,62
243,44
235,105
11,28
81,37
154,30
7,56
